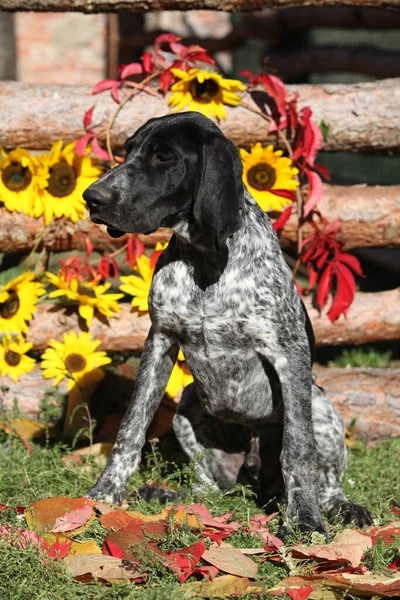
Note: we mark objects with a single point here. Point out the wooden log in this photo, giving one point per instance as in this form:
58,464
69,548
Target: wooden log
372,317
361,116
371,396
96,6
369,217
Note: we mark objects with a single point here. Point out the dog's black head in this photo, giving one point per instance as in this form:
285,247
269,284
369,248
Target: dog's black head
180,172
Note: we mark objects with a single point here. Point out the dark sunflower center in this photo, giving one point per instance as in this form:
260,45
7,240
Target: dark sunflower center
85,291
62,180
16,177
75,362
12,358
261,177
10,307
203,92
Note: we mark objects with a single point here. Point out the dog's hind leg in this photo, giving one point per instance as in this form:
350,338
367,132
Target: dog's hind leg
224,454
332,461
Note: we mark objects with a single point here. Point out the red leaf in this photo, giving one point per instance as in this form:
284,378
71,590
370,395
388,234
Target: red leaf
300,593
312,141
323,171
89,247
283,218
202,57
166,38
103,85
81,144
352,262
133,68
209,571
215,536
344,295
103,268
283,193
322,259
113,549
395,510
87,118
276,89
312,276
135,248
166,79
98,150
314,192
58,549
179,49
114,91
324,287
184,561
395,564
271,542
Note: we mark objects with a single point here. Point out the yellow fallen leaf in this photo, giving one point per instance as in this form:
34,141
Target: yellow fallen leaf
102,448
220,587
86,547
162,516
179,516
24,428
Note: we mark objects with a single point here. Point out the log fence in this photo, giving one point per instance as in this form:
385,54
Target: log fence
357,117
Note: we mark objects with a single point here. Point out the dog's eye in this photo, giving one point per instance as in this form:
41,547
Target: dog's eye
161,157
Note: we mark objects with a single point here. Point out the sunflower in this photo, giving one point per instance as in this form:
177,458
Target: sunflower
21,182
265,170
18,300
179,378
13,359
205,92
74,358
89,296
68,175
139,286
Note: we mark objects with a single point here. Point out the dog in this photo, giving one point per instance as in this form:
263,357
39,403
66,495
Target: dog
222,292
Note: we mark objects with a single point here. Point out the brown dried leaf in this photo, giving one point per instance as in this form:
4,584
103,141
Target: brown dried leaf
348,546
104,568
231,560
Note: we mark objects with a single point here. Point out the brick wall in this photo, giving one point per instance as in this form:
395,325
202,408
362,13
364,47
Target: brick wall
60,47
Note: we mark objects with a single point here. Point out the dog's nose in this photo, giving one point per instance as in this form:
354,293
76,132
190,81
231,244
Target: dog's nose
93,197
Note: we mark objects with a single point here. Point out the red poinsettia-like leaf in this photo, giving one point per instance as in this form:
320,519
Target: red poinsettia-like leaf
312,276
135,248
98,150
324,287
87,117
89,247
323,171
184,561
345,288
81,144
283,218
352,262
107,84
166,38
314,192
167,78
133,68
300,593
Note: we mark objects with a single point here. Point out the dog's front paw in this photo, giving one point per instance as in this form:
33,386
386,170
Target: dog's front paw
348,512
107,491
303,524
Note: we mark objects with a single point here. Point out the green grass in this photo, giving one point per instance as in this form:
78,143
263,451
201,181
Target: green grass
372,479
362,357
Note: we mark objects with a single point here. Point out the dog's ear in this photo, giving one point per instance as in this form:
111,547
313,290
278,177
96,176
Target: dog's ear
219,197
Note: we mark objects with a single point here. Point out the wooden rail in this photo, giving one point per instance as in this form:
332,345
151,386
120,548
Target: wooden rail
96,6
362,116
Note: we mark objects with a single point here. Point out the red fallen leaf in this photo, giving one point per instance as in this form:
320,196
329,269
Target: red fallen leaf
204,515
138,532
81,144
111,548
72,520
59,549
366,585
21,538
20,509
324,287
87,118
117,519
300,593
314,192
216,536
133,68
232,561
395,564
98,150
184,561
386,532
345,288
208,571
260,520
395,510
271,542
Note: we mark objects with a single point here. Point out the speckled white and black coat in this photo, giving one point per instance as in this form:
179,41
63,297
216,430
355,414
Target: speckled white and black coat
254,405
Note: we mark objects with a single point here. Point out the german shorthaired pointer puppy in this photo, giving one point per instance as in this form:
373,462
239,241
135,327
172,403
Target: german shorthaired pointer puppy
223,293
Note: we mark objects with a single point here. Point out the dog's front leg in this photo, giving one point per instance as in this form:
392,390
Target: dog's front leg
157,361
298,456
